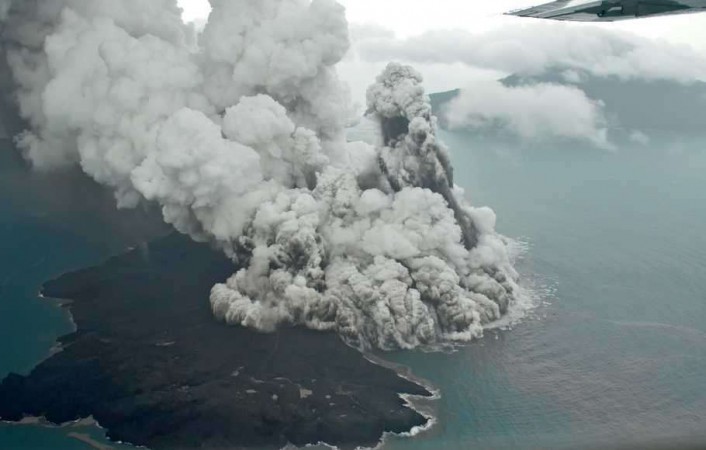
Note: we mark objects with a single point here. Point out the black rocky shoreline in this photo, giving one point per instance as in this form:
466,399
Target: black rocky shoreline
151,365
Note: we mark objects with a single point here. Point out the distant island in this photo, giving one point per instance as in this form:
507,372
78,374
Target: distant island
152,366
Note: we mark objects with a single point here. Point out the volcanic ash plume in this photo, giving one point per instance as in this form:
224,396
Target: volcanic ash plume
239,136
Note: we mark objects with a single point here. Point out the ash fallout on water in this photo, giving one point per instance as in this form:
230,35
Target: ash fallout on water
239,135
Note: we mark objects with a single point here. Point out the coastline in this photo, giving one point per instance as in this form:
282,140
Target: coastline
75,425
382,390
419,403
424,405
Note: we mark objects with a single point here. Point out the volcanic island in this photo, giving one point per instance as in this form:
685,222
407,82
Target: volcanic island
149,362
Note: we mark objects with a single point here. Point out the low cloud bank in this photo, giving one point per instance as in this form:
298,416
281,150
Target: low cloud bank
532,49
544,108
531,112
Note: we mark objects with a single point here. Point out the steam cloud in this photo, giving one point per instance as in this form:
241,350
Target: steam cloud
534,48
239,136
543,111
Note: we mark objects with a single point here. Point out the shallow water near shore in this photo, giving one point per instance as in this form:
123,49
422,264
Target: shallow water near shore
50,225
613,355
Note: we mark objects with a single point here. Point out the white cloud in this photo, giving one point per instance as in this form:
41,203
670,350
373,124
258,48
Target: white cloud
358,74
638,137
535,47
239,138
534,113
409,18
194,10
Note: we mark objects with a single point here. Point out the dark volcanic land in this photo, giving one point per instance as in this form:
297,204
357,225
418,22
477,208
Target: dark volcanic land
150,363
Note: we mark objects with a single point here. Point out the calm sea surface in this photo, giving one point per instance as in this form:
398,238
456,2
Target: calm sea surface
614,353
617,246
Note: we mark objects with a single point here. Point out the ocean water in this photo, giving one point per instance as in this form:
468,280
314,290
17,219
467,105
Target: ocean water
49,225
613,355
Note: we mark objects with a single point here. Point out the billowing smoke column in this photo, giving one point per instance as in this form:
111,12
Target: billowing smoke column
411,156
239,136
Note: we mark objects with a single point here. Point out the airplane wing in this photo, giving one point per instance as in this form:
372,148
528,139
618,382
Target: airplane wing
610,10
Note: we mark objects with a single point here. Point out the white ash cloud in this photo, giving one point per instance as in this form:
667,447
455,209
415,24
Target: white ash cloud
4,8
532,112
239,136
542,112
533,48
402,264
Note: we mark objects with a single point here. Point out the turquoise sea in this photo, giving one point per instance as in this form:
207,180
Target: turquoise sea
613,355
50,224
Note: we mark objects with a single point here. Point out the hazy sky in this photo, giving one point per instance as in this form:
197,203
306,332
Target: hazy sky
404,19
409,18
